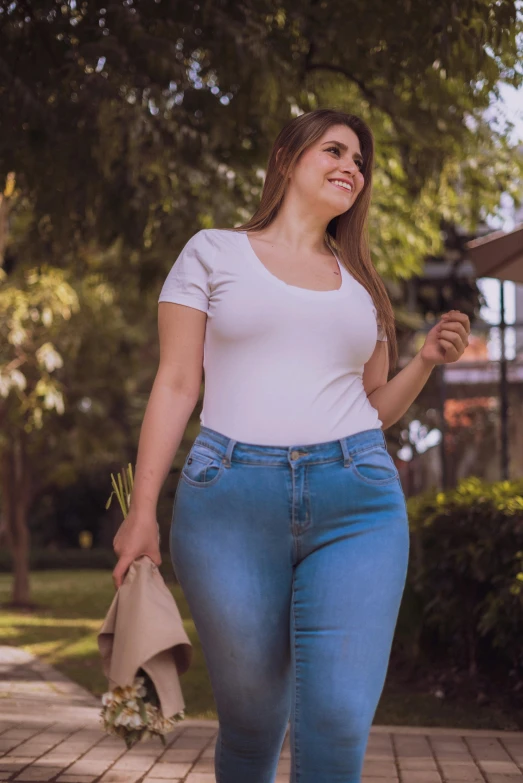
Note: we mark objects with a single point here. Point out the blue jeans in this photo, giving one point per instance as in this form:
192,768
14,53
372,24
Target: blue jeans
293,563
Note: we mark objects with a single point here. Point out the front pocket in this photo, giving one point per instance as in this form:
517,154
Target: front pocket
202,467
375,466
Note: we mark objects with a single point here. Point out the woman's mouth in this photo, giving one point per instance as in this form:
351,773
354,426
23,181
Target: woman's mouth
348,187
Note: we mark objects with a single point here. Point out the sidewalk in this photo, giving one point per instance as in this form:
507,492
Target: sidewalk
49,731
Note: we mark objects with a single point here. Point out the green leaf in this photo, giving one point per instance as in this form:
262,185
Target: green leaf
142,711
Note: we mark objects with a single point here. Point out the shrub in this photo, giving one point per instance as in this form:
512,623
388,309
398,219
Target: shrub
466,567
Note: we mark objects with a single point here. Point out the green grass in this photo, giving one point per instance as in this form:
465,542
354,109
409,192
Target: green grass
73,604
64,631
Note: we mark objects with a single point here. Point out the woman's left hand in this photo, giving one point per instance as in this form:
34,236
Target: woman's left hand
446,342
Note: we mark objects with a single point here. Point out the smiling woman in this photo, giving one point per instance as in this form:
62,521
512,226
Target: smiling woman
288,503
320,174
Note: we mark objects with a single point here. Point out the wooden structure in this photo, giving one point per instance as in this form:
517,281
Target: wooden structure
500,255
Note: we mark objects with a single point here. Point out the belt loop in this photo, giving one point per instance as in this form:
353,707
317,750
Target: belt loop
228,454
345,450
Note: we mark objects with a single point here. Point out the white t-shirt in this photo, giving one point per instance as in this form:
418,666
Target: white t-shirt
283,365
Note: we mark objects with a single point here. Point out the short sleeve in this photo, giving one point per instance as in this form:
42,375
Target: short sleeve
188,281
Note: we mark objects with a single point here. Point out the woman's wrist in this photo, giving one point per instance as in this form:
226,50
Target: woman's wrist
143,508
427,364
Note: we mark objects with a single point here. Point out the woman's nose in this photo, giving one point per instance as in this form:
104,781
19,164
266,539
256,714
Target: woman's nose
352,168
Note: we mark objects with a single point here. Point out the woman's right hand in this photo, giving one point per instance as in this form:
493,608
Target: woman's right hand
138,535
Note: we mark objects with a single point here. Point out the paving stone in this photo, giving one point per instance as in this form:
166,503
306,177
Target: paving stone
207,765
34,748
185,754
190,742
12,764
52,737
38,774
59,759
76,778
412,747
450,751
487,749
78,748
417,763
500,778
199,731
134,762
82,767
70,746
19,734
174,770
7,744
503,767
5,725
160,780
514,748
122,776
378,780
379,768
102,754
420,776
466,771
20,752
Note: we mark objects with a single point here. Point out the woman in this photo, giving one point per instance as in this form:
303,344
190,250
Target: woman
289,534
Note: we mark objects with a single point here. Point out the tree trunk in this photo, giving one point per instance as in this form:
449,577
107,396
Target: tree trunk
16,498
16,487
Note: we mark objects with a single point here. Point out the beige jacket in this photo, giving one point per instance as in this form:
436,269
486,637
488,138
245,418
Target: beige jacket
143,629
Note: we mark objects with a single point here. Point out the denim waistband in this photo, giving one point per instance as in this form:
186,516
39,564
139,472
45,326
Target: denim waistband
342,448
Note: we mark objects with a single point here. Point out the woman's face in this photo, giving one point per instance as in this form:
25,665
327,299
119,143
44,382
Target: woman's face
328,173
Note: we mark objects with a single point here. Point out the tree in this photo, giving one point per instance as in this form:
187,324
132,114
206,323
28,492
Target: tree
130,125
122,120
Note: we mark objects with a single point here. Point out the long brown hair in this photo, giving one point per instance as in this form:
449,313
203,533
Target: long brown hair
347,233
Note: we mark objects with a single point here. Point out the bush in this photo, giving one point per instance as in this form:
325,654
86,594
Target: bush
466,569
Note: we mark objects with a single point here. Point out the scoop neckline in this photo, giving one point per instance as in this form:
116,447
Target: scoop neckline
296,289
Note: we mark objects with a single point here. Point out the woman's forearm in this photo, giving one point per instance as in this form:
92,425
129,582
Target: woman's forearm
163,426
394,398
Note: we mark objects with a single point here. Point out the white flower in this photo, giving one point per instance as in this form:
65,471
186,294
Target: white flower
129,718
48,356
128,692
123,708
108,699
139,687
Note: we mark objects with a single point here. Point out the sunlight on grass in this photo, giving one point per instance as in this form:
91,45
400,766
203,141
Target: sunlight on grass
63,631
9,634
50,622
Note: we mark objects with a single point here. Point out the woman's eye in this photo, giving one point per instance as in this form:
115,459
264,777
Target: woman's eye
359,163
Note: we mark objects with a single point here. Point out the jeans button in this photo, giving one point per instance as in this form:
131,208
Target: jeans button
295,454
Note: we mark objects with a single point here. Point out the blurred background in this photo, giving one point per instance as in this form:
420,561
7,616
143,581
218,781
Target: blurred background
128,126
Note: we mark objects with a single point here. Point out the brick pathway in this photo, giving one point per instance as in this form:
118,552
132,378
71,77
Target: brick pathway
49,731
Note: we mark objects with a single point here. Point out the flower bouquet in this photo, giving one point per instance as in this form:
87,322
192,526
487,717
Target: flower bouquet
134,712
